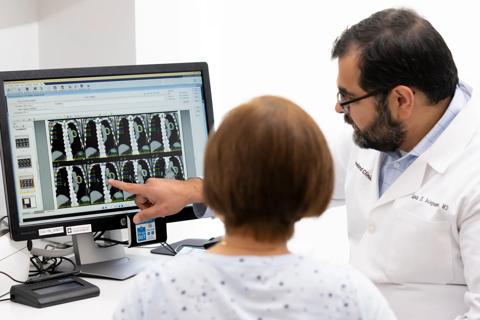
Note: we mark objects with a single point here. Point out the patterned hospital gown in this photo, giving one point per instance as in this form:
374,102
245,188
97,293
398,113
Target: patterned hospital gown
213,287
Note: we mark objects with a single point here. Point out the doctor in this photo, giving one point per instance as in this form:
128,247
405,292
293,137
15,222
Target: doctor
410,180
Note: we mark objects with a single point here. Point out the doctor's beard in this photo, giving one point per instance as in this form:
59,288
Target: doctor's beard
384,134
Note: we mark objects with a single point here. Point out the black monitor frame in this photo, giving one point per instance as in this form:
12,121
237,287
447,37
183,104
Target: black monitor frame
112,222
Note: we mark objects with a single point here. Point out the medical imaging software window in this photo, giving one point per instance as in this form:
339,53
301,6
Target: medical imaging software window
70,136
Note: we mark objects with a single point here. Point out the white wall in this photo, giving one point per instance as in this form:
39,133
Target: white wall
18,35
66,33
81,33
181,31
281,46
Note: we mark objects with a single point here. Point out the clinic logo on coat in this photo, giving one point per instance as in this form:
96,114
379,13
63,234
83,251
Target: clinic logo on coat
364,171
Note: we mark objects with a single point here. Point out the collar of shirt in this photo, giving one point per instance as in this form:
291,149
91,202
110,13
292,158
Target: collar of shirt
396,162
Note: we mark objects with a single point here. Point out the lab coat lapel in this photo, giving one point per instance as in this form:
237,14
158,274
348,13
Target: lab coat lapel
454,139
407,183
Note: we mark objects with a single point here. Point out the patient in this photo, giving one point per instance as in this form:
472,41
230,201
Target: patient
266,167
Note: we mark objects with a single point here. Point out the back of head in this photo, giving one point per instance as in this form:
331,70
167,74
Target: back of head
267,166
399,47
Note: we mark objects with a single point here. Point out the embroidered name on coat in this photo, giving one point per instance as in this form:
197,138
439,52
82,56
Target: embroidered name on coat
364,171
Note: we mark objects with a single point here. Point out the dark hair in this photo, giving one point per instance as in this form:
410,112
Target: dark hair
397,46
267,166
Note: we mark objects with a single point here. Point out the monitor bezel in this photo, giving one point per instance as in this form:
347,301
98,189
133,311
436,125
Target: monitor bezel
116,221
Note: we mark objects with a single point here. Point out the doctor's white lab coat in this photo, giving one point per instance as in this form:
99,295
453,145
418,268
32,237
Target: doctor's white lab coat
420,241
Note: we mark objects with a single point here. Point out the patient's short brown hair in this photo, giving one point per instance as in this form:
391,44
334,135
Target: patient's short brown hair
267,166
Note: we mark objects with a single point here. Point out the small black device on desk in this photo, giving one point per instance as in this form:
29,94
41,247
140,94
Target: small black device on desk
51,292
146,232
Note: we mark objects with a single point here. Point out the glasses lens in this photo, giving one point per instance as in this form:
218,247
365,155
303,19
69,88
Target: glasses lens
340,98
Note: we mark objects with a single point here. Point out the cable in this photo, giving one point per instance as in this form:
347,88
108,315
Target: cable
3,221
3,295
56,244
115,242
39,264
6,274
75,267
50,276
98,235
50,269
51,253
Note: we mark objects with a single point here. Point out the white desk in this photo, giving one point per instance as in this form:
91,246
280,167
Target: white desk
324,238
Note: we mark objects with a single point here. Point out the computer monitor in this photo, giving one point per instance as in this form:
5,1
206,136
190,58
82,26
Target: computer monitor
64,132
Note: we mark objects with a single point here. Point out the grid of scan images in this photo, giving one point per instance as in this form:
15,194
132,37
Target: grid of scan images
87,152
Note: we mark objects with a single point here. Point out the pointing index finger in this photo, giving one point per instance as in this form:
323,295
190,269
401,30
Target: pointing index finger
132,188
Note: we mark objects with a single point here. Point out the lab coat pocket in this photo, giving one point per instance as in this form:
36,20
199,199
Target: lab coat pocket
420,250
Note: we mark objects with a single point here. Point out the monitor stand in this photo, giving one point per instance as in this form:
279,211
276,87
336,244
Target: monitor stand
172,248
108,263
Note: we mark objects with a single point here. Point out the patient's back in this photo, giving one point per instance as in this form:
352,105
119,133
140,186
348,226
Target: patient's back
211,286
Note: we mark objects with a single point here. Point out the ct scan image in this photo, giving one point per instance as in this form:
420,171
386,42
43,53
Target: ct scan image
86,152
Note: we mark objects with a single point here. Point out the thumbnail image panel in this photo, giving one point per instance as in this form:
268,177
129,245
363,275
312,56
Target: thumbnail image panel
172,131
143,171
66,140
123,136
97,184
80,184
168,167
164,131
22,142
140,129
128,175
57,142
156,133
112,172
92,149
158,167
108,137
174,168
74,136
62,188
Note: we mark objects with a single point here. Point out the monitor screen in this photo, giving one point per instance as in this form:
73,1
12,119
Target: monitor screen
66,132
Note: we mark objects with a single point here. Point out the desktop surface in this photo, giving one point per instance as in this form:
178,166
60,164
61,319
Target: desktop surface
112,291
324,238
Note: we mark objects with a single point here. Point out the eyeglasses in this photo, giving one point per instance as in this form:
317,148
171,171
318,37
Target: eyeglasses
345,104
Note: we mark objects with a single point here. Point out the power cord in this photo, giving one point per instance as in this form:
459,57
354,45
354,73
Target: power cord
12,278
57,245
98,235
111,241
3,221
8,292
3,295
46,261
50,269
57,253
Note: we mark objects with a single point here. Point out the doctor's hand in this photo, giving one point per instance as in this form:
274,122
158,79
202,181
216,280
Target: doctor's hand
161,197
